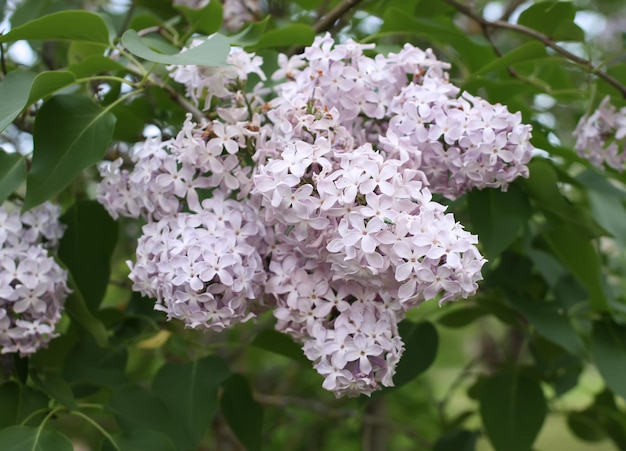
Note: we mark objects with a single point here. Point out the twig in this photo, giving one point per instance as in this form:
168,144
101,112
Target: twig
547,41
327,21
510,8
2,59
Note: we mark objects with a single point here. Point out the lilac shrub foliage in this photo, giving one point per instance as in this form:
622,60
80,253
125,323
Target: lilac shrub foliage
312,197
33,287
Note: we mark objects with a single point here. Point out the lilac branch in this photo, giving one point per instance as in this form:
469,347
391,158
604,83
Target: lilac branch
547,41
328,20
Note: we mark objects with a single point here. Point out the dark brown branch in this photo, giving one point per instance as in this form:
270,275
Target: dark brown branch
3,61
547,41
328,20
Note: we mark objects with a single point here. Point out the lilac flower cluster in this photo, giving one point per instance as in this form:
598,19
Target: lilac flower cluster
203,268
33,287
319,202
601,136
405,105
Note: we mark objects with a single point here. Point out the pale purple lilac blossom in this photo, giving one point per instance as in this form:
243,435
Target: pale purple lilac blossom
601,136
33,287
334,175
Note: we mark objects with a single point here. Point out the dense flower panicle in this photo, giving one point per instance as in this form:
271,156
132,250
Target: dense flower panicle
33,287
332,179
204,268
601,136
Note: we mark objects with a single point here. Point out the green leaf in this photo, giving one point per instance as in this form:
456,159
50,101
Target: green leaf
250,35
606,203
526,52
554,365
20,88
190,392
9,400
12,173
242,413
94,65
71,133
141,440
19,401
132,119
459,440
47,83
86,248
136,409
77,309
586,426
512,408
421,342
554,19
274,341
14,91
87,363
212,52
24,438
542,186
206,20
64,25
56,387
551,322
441,30
608,349
462,316
294,34
580,259
79,51
498,216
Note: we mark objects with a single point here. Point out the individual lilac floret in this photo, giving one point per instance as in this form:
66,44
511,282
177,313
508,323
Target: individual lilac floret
33,287
203,268
601,136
